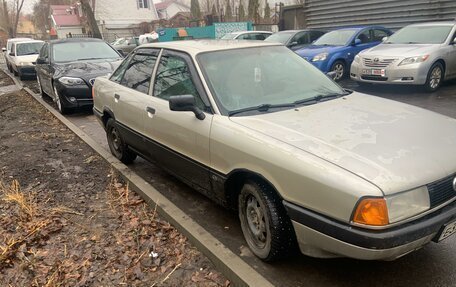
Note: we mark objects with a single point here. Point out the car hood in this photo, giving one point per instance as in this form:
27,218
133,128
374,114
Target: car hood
395,146
400,50
26,58
86,69
313,50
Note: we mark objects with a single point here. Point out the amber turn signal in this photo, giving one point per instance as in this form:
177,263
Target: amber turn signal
371,211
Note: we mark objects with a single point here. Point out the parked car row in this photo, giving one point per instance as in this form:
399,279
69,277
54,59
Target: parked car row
20,56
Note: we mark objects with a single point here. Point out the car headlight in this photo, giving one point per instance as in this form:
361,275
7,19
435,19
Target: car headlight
414,60
357,58
407,204
320,57
68,81
379,211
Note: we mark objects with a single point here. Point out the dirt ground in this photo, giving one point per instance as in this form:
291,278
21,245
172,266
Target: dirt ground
66,220
5,80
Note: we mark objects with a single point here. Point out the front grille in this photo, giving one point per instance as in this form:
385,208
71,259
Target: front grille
441,191
374,78
377,62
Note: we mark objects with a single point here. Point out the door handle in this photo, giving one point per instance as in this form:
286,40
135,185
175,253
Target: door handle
116,98
150,112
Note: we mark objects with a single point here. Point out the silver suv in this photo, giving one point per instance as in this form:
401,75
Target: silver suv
419,54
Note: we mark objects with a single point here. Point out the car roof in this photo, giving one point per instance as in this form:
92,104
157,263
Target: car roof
301,30
449,23
29,41
249,32
75,40
19,39
199,46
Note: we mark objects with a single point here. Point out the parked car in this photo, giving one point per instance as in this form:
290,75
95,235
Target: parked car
247,35
260,130
66,70
7,50
126,45
296,39
419,54
23,56
336,50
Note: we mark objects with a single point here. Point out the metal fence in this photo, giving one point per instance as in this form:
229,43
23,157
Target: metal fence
108,37
392,14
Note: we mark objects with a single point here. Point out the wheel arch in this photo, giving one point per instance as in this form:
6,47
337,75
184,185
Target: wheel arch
237,178
107,114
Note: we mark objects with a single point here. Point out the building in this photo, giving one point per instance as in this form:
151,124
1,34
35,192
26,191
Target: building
65,21
123,16
169,8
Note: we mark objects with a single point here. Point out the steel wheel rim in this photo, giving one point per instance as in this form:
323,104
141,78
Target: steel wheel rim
339,69
115,140
436,76
256,222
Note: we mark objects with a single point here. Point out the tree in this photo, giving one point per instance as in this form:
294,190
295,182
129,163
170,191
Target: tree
267,12
252,9
214,11
241,11
228,12
87,10
195,9
17,9
41,11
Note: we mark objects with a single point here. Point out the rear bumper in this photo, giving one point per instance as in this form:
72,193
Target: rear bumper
321,236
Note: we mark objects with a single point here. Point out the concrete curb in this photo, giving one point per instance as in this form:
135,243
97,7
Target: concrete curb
231,265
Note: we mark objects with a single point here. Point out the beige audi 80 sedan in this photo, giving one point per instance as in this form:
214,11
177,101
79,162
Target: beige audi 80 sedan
304,162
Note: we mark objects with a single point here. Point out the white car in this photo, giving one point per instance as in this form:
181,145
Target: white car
259,129
7,49
247,35
23,57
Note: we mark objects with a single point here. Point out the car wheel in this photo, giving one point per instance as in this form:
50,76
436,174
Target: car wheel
10,69
339,68
60,104
264,222
15,73
434,78
117,145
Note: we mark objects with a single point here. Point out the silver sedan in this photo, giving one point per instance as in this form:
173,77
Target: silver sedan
419,54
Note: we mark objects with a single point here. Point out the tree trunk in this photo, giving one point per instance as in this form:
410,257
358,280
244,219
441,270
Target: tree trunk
19,4
91,18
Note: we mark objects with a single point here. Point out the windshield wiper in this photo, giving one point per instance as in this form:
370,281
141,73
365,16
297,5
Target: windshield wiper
261,108
31,53
83,59
320,98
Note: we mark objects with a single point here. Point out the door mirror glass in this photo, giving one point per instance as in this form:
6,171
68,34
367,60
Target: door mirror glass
357,42
294,43
185,103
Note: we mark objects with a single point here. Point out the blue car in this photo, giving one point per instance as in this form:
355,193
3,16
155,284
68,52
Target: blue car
335,50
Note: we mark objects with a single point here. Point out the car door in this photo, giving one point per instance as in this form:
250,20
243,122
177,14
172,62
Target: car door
178,140
449,54
43,69
129,96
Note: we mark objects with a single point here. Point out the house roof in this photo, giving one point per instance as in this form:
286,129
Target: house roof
165,4
66,20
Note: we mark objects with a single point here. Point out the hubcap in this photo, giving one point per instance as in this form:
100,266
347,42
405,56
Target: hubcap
436,77
339,69
256,221
115,140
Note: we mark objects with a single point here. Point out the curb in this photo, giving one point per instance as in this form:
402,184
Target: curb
227,262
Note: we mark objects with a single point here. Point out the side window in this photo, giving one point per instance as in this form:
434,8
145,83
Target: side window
260,36
119,72
174,79
138,74
44,53
13,48
365,37
378,35
243,37
301,38
314,35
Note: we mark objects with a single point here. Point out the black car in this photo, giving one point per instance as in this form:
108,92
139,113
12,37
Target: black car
296,39
66,70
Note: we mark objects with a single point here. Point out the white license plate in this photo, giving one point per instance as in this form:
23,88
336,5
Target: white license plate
374,72
448,230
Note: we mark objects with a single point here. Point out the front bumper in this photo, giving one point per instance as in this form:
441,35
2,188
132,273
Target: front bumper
75,96
320,236
26,71
414,74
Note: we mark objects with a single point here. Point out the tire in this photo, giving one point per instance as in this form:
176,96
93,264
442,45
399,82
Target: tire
60,104
117,145
10,69
268,230
435,78
340,69
15,73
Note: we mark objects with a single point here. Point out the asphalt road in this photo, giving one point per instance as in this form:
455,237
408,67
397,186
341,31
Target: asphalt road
433,265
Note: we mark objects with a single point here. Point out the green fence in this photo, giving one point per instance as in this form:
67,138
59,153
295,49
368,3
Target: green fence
215,31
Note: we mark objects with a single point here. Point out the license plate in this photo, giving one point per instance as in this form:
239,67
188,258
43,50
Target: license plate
374,72
447,230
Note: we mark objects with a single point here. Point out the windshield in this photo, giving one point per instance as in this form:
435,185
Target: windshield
280,37
74,51
336,38
244,78
28,48
229,36
421,35
119,41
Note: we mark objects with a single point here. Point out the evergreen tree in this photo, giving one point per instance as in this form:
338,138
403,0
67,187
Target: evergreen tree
241,11
195,9
214,11
267,11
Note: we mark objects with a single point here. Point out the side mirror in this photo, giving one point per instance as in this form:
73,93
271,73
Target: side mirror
40,61
454,41
384,39
185,103
293,44
12,54
357,42
3,49
332,75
